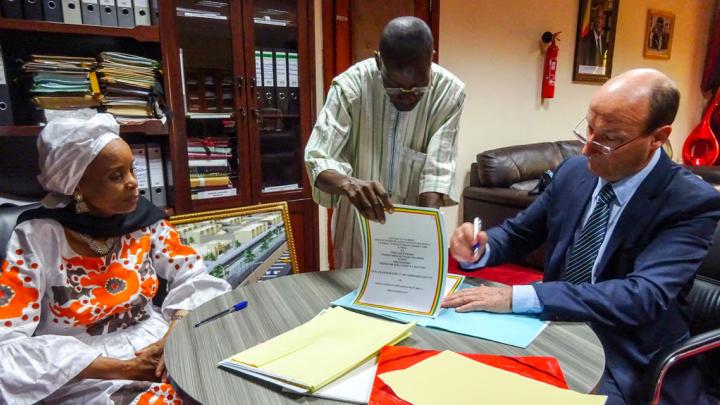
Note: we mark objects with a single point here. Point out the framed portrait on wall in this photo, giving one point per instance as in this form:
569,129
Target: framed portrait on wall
595,40
241,245
658,34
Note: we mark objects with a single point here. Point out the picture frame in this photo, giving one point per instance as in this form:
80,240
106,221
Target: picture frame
241,245
658,34
595,40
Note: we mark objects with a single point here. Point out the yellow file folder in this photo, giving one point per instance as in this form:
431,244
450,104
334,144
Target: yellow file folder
321,350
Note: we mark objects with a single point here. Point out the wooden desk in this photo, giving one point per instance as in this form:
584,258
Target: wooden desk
191,355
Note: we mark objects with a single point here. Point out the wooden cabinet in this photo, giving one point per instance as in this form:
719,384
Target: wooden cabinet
244,73
217,92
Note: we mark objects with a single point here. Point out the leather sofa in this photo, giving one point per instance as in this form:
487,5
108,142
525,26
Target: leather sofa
501,179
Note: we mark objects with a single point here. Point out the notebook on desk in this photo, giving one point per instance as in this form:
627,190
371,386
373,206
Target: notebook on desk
334,342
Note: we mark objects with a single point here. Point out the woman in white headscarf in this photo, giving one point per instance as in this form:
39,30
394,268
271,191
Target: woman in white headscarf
77,323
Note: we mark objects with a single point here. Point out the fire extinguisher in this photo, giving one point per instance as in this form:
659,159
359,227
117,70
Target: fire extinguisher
550,66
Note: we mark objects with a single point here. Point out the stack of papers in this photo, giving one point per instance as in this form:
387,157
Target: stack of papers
449,378
211,174
62,82
128,85
391,358
318,352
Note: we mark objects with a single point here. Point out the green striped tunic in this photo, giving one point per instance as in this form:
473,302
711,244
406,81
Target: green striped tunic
359,133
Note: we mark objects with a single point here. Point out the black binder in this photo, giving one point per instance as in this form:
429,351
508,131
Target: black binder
33,9
12,8
268,85
6,116
52,10
281,82
293,83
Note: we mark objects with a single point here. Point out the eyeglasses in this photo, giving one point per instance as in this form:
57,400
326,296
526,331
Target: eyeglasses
396,91
416,91
582,126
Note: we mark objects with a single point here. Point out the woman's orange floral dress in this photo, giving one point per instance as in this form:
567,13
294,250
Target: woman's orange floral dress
59,311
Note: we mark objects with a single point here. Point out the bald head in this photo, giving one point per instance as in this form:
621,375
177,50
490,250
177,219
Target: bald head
406,41
645,90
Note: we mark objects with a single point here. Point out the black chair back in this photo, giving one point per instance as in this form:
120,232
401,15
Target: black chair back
8,217
705,311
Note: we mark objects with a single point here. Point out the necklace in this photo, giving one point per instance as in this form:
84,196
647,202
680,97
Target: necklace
101,248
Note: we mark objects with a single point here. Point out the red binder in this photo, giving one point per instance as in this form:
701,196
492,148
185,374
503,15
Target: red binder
545,369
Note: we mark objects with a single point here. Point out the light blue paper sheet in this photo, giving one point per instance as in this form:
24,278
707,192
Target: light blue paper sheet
511,329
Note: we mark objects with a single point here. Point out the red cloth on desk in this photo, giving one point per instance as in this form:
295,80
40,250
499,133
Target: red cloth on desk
510,274
545,369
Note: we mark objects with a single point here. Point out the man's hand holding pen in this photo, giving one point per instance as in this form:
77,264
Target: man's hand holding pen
467,245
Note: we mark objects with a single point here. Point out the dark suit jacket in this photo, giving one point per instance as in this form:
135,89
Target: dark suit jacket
590,54
637,303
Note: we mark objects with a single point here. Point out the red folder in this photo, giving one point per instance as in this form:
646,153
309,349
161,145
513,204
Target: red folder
545,369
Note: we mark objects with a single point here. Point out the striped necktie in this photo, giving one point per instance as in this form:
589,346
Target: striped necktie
585,251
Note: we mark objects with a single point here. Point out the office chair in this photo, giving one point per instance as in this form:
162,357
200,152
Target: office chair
704,310
8,216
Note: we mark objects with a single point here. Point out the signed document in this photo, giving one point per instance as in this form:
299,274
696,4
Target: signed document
404,262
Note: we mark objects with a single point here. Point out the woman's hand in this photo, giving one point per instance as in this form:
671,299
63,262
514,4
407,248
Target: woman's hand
152,357
144,365
147,365
141,368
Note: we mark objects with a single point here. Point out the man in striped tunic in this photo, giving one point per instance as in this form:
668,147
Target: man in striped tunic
387,134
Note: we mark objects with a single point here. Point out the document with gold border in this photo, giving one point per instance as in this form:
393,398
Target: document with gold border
404,262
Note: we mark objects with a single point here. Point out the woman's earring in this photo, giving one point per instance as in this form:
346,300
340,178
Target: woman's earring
81,206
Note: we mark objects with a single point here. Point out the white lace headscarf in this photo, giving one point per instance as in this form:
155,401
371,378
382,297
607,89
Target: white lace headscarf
66,146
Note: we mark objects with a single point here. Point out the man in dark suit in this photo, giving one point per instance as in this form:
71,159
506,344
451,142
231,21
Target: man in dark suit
657,39
592,46
625,230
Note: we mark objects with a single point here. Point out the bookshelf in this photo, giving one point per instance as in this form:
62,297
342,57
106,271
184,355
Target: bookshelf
218,37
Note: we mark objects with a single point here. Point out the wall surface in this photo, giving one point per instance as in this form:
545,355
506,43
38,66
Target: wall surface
494,47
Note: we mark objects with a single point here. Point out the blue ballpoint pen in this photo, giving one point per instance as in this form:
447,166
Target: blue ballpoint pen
240,305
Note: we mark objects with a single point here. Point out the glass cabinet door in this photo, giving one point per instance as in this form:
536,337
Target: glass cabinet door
277,95
209,86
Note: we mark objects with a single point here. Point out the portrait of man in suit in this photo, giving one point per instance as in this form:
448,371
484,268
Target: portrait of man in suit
594,45
658,40
624,229
658,34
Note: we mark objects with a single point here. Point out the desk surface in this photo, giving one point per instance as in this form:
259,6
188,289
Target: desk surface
191,355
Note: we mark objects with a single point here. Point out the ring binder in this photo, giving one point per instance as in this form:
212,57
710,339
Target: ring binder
6,116
52,10
71,12
283,92
293,83
268,92
142,12
125,15
108,13
32,10
90,12
12,8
